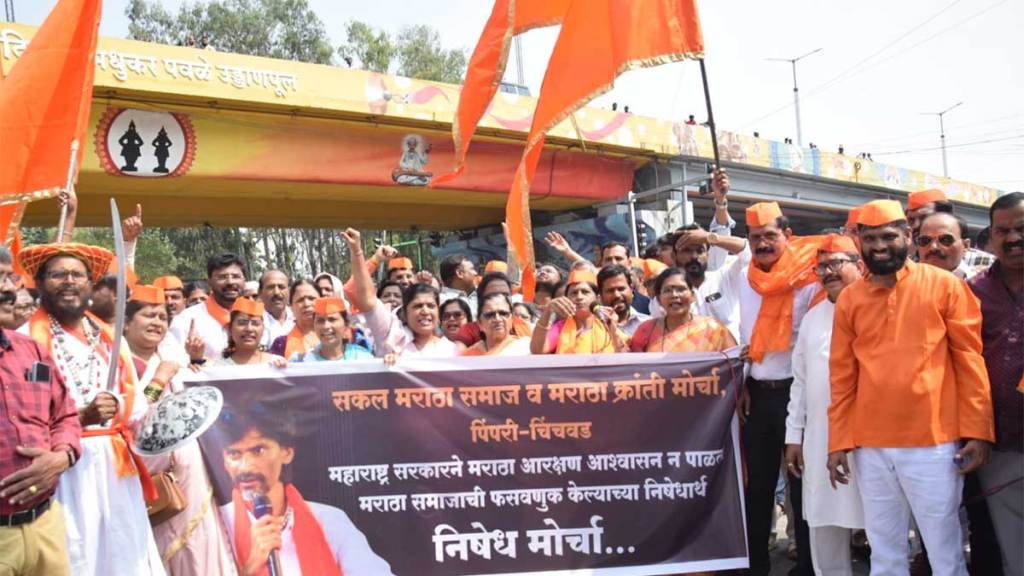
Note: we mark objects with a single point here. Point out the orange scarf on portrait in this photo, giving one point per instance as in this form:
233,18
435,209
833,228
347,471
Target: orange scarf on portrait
597,340
773,330
126,462
311,546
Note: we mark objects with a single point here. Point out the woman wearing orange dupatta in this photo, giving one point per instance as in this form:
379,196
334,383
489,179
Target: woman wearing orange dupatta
578,331
302,337
679,330
495,314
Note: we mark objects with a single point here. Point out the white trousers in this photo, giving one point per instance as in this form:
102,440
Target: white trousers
1006,506
830,551
895,482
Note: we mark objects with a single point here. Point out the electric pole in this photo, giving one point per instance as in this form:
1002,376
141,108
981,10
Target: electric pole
796,91
942,136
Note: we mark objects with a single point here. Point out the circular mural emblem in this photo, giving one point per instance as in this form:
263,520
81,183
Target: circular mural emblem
145,143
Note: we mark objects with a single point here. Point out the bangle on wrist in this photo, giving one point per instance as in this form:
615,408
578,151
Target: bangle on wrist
198,361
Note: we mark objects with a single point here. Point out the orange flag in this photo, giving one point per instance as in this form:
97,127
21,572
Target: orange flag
487,66
599,40
44,102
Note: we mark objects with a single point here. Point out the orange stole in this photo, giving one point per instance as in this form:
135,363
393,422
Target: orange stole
220,314
597,340
315,556
126,462
773,330
295,342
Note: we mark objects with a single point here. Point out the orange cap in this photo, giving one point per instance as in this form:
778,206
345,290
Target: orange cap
763,214
325,306
247,306
148,294
853,217
397,263
838,243
652,268
582,275
496,266
169,283
922,197
879,212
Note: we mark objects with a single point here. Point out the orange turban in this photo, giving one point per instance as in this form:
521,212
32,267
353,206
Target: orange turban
879,212
148,294
496,266
582,275
837,243
652,268
247,306
169,283
96,259
763,214
399,263
325,306
853,217
922,197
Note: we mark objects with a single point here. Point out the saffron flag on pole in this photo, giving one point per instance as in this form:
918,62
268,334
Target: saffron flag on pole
44,103
599,40
487,66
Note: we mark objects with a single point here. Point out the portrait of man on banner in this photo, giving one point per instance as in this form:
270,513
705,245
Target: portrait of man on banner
267,519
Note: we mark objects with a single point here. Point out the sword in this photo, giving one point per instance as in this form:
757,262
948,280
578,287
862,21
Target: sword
121,299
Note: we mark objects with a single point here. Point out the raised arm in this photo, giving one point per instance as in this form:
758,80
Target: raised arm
365,296
559,244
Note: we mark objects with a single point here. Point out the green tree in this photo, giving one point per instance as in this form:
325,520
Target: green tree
372,49
285,29
416,52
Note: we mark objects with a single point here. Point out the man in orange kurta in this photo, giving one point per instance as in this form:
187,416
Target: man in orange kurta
910,395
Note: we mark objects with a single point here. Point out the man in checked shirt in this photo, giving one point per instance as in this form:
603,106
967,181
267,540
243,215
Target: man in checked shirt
39,433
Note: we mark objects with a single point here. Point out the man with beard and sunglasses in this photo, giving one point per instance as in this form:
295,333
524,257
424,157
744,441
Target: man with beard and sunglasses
308,537
1001,292
831,515
225,274
775,291
278,318
910,395
103,496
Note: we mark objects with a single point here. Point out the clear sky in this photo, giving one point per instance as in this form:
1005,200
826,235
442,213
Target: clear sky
884,66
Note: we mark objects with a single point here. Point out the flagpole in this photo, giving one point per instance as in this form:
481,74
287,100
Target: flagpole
711,116
67,190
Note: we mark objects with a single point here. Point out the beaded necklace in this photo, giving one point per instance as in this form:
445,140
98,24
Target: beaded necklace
84,375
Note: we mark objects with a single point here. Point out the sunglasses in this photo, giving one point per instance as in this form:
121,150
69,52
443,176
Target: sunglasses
503,314
453,315
946,240
832,266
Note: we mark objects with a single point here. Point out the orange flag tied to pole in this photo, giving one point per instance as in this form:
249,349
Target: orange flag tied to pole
44,103
599,40
487,66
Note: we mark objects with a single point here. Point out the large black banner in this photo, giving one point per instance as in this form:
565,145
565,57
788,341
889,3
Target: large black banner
624,464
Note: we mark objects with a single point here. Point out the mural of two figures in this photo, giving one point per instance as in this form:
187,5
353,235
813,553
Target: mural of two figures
131,149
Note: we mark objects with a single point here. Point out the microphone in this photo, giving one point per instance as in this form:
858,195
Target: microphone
597,310
261,507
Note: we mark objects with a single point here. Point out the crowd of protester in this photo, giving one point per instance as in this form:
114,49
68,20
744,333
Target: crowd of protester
883,375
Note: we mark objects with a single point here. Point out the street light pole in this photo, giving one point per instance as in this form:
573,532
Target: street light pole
796,90
942,135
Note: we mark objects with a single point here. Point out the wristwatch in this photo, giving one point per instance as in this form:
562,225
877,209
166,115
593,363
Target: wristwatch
712,238
722,204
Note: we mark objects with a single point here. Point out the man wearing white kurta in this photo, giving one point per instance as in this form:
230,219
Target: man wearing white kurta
226,277
108,531
831,514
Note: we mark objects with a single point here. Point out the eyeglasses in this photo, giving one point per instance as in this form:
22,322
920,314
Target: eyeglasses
227,277
62,275
831,266
670,290
459,315
946,240
503,314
